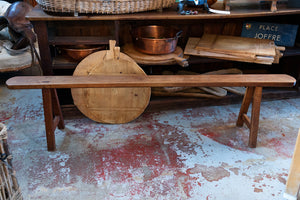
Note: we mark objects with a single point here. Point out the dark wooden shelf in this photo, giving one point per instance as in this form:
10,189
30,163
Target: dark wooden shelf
60,62
88,40
168,14
291,51
158,103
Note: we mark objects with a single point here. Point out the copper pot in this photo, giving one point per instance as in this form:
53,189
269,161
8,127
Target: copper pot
79,52
155,39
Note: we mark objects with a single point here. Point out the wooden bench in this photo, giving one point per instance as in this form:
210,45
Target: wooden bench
53,113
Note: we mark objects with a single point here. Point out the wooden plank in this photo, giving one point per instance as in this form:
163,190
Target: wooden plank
193,41
132,80
293,182
88,40
235,45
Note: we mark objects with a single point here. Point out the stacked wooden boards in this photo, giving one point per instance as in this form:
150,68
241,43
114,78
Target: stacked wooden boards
234,48
208,92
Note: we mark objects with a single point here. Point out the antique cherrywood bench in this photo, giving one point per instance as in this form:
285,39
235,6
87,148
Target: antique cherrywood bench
53,113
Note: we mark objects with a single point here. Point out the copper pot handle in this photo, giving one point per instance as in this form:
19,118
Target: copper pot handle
178,34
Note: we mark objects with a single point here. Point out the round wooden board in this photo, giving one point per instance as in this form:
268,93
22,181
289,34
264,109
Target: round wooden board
110,105
148,59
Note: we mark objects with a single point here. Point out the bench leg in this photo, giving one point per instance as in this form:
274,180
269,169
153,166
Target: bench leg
57,109
253,94
255,117
53,116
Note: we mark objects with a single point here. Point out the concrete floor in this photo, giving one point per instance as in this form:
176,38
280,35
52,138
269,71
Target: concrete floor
173,154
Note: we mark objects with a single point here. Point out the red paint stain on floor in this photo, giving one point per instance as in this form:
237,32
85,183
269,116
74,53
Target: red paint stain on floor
279,146
138,152
210,173
257,190
229,138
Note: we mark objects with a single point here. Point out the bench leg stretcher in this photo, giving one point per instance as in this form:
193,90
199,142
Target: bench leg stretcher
54,118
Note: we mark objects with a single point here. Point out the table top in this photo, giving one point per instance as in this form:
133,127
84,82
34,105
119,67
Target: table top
37,14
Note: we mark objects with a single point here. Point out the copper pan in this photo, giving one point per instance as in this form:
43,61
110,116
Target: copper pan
79,52
155,39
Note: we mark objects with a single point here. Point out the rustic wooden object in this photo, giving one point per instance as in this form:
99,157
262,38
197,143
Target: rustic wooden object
254,82
293,182
193,48
239,46
110,105
53,115
175,57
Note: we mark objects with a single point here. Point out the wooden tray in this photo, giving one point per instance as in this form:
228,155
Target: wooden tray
110,105
146,59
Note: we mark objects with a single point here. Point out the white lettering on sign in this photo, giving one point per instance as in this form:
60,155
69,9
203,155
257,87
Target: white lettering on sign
268,36
268,28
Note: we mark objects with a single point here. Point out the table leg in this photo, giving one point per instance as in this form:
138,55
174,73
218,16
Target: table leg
41,30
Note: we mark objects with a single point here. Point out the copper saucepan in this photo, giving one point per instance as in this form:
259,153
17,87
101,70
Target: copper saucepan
155,39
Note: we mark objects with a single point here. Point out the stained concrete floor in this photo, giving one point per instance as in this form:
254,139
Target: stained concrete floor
195,153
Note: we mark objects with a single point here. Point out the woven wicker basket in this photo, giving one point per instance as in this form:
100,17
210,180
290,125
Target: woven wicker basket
9,188
103,6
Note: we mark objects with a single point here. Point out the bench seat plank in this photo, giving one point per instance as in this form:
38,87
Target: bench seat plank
233,80
53,114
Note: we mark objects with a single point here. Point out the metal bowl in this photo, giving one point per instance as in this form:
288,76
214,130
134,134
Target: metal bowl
155,39
79,52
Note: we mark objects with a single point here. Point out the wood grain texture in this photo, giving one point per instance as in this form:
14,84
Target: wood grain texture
190,49
147,59
138,80
114,104
48,114
255,117
245,106
235,45
293,181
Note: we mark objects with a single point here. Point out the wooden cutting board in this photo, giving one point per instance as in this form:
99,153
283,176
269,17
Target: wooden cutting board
190,49
110,105
148,59
233,45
